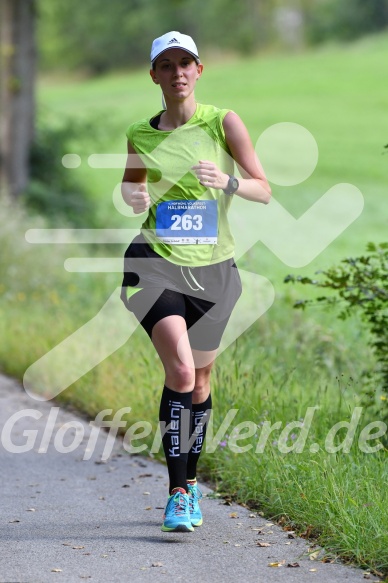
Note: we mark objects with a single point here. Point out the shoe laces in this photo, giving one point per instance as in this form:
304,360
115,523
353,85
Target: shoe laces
194,495
179,503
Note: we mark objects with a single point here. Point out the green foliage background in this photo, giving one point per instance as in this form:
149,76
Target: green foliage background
98,36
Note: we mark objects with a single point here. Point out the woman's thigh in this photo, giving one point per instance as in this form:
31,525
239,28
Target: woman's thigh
170,339
166,319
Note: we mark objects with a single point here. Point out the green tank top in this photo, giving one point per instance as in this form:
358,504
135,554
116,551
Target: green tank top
187,223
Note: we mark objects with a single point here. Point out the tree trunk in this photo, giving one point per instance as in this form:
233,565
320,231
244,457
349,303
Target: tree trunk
17,101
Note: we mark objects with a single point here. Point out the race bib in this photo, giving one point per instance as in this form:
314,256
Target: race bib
187,222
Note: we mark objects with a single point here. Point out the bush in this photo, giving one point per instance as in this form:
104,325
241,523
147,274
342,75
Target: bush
53,191
361,284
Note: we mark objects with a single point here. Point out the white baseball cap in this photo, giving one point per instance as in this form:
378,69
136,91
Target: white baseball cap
173,40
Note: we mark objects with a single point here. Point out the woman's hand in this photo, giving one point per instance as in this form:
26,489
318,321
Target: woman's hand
136,196
209,175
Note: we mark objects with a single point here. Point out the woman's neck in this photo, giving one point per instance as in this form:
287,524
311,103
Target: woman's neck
177,114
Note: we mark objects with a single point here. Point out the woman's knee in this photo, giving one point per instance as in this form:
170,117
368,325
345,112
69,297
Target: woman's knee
202,384
181,376
202,375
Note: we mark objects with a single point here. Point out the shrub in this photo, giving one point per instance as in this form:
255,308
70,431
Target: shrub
53,191
361,284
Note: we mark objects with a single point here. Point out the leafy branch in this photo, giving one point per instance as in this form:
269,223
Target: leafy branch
359,283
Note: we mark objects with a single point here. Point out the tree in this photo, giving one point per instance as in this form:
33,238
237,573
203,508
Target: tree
17,101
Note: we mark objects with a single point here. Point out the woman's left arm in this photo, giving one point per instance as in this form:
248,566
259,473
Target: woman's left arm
253,185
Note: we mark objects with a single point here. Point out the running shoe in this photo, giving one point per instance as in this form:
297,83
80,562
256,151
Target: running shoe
177,514
195,495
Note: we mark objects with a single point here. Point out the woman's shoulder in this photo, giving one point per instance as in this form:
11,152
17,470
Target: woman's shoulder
140,125
209,111
211,118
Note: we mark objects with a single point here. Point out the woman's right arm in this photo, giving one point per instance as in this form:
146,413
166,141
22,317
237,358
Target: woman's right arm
133,186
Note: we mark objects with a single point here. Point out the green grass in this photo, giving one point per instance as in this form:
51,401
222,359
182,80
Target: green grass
288,360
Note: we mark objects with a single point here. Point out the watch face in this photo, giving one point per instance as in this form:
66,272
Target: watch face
233,185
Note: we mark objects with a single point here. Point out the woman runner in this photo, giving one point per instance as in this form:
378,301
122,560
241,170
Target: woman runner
180,279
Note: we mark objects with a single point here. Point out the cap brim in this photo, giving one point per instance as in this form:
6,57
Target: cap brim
175,47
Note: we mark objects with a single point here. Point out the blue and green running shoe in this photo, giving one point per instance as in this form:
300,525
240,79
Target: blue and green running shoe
177,513
195,495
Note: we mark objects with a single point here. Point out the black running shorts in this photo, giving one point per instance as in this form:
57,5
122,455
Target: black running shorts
204,296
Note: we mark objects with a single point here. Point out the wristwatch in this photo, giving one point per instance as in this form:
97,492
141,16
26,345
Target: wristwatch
232,186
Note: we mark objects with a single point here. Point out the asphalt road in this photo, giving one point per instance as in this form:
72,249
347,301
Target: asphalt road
67,519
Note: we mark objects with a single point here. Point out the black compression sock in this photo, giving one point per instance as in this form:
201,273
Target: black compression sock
175,411
200,417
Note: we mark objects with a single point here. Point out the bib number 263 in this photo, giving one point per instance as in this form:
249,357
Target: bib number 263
186,222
